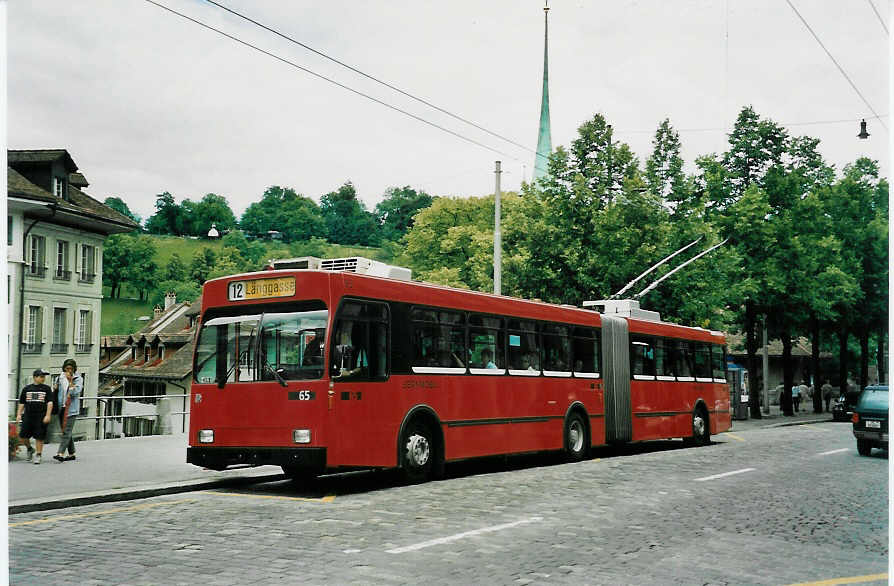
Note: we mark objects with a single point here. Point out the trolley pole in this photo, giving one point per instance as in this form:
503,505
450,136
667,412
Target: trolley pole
498,237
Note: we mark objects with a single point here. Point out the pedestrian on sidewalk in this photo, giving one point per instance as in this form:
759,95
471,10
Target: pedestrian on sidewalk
796,397
70,385
804,392
36,403
827,393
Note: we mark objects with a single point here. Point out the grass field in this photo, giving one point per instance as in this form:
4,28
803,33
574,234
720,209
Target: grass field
120,316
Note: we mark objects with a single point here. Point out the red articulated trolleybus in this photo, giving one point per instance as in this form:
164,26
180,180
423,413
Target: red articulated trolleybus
322,366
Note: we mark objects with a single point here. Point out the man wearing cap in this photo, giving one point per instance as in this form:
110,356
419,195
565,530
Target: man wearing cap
36,401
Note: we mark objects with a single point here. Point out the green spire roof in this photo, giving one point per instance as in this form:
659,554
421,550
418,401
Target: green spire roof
544,142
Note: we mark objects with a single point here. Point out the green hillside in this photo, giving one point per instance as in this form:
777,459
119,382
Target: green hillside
119,316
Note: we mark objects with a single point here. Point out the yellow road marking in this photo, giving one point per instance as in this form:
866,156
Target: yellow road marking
325,499
850,580
734,436
94,513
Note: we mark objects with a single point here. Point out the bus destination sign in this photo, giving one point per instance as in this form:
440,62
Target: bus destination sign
261,288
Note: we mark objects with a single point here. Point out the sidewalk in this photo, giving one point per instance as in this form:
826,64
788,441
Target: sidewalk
140,467
776,419
113,470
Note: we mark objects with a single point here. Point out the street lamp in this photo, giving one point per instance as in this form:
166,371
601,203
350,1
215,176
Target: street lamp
863,134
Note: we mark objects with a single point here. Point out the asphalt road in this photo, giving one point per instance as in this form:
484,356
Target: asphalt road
767,506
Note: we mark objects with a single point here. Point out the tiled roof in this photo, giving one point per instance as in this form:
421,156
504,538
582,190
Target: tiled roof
40,156
79,202
176,365
78,180
114,341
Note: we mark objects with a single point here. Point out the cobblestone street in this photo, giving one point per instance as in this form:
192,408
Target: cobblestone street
766,506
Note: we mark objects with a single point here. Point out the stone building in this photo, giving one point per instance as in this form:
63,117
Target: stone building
55,235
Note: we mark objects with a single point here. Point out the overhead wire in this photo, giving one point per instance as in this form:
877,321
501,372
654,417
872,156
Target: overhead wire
332,81
880,19
840,68
368,76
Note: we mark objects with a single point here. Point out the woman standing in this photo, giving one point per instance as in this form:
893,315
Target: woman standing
69,388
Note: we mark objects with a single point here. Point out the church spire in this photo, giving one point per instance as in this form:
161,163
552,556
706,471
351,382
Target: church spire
544,142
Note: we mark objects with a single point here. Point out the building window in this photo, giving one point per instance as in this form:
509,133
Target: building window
161,352
33,331
62,272
83,343
88,263
59,187
83,410
36,256
9,238
59,346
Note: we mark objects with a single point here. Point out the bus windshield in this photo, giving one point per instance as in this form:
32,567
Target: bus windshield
262,347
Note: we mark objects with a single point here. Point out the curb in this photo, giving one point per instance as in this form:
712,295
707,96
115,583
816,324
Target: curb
126,494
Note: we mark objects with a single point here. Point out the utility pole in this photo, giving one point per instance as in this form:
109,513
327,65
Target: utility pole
498,237
766,365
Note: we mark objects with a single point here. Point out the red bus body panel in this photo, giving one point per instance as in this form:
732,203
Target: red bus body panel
358,423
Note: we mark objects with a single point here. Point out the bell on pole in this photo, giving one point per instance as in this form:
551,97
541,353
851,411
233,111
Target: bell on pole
863,133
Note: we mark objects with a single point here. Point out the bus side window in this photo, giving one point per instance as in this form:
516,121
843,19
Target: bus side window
642,357
361,341
702,360
664,363
556,349
683,359
585,348
718,362
524,347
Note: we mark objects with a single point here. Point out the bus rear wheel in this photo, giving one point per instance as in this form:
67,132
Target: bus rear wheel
576,441
417,452
701,428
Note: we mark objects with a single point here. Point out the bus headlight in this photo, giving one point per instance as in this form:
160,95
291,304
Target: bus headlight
206,436
301,436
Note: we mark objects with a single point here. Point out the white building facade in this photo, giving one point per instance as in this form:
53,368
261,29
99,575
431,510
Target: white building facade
54,267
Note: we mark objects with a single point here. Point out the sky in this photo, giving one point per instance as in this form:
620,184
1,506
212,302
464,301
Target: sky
147,102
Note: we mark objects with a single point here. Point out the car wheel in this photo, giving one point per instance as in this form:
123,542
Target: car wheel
864,447
417,452
576,442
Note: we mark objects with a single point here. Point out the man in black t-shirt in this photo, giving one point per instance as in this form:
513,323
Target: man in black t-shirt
36,401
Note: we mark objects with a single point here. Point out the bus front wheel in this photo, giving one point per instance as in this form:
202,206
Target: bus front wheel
417,452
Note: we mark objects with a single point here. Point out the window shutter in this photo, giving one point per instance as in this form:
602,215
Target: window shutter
27,254
77,325
77,256
42,330
26,324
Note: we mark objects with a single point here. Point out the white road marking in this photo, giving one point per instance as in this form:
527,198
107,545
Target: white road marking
834,452
462,535
714,477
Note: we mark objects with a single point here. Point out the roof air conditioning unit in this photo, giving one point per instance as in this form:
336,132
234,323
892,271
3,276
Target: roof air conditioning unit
302,262
365,266
623,308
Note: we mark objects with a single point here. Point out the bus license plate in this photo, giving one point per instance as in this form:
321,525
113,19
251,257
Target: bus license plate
874,424
261,288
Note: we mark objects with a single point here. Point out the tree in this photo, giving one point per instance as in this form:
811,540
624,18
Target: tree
175,270
202,264
228,262
395,212
167,218
281,209
664,168
141,271
253,252
116,257
212,209
346,218
117,204
184,290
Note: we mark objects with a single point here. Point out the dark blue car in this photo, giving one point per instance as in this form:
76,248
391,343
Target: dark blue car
871,419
